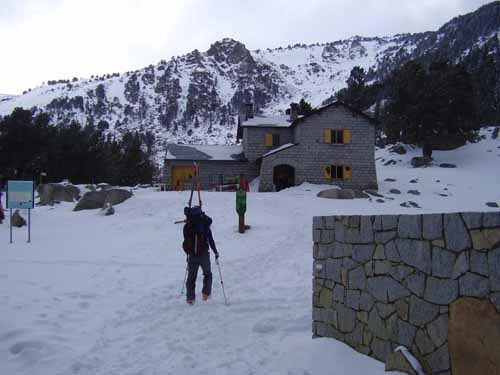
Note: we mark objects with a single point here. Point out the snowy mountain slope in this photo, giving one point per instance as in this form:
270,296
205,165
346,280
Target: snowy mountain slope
195,98
92,301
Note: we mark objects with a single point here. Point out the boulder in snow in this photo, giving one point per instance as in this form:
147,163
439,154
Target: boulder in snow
51,193
398,149
492,204
98,199
342,194
420,161
17,220
447,165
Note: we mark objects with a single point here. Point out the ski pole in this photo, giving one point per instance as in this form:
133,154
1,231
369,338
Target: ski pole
184,283
221,282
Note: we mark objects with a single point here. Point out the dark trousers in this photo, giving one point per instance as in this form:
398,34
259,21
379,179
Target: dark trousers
193,263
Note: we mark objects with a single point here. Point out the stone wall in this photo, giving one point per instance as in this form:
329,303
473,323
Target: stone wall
254,145
385,281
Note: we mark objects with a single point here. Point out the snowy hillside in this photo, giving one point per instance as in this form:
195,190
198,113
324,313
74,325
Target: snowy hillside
195,98
100,296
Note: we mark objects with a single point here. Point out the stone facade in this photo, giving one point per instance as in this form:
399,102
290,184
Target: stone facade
385,281
211,170
253,140
311,154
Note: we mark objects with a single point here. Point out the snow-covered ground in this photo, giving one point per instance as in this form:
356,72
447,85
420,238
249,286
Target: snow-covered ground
98,295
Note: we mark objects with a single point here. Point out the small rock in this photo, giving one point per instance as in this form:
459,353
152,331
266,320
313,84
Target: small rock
398,149
374,193
17,220
420,161
389,162
438,180
447,165
414,204
414,181
380,200
414,192
443,195
395,191
390,179
492,204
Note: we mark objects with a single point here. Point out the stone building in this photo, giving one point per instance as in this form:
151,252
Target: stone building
334,144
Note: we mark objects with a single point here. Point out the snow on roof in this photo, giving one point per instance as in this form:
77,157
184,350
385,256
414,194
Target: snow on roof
279,121
204,152
281,148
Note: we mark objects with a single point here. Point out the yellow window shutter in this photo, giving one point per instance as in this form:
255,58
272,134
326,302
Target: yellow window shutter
327,170
268,140
347,136
347,172
327,135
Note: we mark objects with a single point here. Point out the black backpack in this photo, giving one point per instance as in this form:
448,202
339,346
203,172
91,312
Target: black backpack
196,231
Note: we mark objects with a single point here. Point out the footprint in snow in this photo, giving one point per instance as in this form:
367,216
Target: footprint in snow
265,326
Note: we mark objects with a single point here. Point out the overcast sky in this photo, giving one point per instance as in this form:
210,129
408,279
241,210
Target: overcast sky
42,40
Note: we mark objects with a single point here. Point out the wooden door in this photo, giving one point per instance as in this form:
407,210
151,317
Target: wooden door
182,177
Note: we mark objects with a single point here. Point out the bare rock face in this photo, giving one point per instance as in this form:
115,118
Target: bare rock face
474,337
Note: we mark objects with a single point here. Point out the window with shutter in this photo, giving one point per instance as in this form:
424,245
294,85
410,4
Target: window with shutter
276,140
268,140
337,172
327,135
347,136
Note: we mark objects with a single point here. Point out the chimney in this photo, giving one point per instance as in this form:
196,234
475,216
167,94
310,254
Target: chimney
294,112
248,111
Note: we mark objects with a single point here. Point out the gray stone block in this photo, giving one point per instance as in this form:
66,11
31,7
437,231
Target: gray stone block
438,330
455,233
439,360
385,310
441,291
494,269
354,221
346,318
416,283
338,293
377,223
349,264
365,229
366,301
472,285
405,333
339,232
352,299
381,349
357,278
325,251
479,263
473,220
400,272
382,267
329,222
377,325
384,237
332,269
389,222
316,235
379,252
410,226
442,262
392,252
368,269
377,287
337,250
319,269
326,236
318,222
424,342
461,265
402,309
432,226
362,253
415,253
422,312
491,219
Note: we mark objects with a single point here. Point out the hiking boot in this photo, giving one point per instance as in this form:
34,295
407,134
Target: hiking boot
205,297
190,301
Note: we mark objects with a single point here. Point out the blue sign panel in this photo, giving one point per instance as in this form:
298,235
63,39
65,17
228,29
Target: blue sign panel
20,194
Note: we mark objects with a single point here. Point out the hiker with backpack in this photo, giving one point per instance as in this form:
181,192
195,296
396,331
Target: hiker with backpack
197,240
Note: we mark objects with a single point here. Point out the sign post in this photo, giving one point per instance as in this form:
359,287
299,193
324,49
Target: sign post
241,208
21,195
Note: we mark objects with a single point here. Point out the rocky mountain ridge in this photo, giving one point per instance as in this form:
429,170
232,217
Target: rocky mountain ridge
195,98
